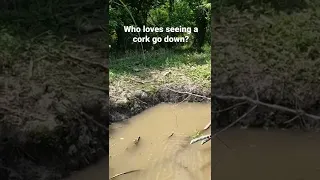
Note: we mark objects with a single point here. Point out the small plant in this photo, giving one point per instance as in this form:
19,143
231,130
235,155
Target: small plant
196,134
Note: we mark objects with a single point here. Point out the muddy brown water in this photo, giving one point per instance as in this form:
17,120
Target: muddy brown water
252,153
257,154
163,151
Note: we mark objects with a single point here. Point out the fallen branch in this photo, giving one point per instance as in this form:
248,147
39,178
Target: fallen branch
189,93
273,106
201,138
120,174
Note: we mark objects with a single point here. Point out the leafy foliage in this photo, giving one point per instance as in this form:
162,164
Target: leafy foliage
154,13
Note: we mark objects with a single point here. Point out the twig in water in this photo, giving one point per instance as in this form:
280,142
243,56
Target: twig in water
171,135
223,142
207,126
234,122
205,140
120,174
205,137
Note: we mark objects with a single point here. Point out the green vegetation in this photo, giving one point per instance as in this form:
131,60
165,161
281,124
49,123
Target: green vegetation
161,67
135,66
154,13
196,134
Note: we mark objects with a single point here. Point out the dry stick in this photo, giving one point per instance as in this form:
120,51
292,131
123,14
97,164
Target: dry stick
273,106
182,92
124,173
207,126
205,137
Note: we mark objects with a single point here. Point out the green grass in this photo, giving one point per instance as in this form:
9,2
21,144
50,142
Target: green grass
161,67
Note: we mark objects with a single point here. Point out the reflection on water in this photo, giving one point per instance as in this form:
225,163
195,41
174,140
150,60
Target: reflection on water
266,155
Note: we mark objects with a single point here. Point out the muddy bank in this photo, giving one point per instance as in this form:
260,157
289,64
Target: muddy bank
53,109
136,101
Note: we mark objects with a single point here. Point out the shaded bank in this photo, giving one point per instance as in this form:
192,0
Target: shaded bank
271,57
52,100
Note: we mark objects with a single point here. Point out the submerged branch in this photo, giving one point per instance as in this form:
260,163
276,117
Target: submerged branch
273,106
120,174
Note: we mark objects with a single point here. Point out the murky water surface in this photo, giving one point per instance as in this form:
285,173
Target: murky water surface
163,151
256,154
252,154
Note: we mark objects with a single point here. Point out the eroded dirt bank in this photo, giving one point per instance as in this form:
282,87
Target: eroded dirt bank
135,102
53,108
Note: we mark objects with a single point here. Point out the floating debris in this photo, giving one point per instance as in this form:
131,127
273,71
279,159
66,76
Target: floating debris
204,139
171,135
136,141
